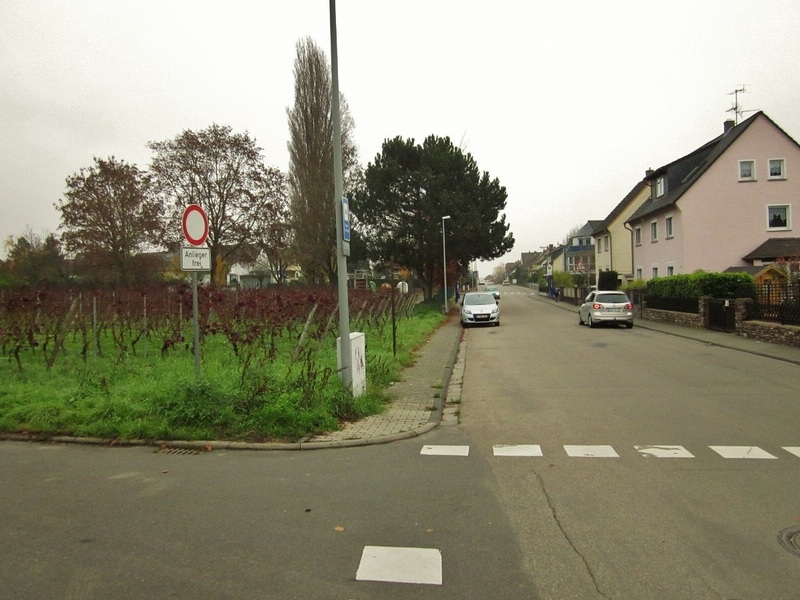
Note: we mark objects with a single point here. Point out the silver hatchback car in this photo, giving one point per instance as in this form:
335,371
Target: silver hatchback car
479,308
611,306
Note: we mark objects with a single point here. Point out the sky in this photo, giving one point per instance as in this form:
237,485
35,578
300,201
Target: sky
565,103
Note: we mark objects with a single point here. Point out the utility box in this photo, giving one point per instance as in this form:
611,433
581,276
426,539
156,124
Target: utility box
358,360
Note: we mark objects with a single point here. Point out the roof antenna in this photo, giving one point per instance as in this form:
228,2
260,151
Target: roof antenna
737,109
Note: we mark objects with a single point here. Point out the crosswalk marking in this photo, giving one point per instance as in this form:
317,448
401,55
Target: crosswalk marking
606,451
519,450
591,451
741,452
662,451
400,565
446,450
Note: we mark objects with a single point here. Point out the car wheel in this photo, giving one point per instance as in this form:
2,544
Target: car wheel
580,319
463,324
592,324
497,324
629,325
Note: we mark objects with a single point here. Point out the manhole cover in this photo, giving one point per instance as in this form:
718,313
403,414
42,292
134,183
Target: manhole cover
790,539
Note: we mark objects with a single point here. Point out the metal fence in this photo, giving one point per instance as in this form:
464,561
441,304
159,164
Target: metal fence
685,305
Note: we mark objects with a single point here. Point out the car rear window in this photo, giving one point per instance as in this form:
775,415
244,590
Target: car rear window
611,298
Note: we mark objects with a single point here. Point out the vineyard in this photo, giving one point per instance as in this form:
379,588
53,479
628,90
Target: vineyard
120,363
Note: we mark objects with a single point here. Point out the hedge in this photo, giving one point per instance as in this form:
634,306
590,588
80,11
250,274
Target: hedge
700,283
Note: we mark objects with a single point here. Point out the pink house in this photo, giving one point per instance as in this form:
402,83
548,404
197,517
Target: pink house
712,208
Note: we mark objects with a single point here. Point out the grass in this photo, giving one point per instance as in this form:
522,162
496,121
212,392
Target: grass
149,397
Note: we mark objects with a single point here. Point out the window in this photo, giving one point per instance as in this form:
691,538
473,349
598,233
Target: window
655,272
639,273
654,231
637,236
776,168
747,170
668,227
779,217
605,243
670,270
661,185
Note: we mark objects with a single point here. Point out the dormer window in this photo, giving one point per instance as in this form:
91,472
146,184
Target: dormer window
661,186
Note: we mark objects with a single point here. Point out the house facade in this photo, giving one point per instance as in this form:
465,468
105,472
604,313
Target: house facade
613,241
711,208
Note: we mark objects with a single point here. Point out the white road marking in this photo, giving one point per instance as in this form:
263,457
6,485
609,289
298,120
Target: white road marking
591,451
400,565
662,451
445,450
519,450
741,452
793,449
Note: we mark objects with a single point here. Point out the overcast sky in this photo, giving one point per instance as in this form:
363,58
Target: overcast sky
566,103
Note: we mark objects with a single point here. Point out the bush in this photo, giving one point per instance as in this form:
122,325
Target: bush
701,283
607,280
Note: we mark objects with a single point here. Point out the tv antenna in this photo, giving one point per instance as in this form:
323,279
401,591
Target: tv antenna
737,109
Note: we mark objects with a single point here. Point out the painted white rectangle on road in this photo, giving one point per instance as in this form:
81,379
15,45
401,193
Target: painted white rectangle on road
446,450
793,449
741,452
591,451
662,451
400,565
519,450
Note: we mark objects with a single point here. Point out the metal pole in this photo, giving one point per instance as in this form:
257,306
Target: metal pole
346,373
196,320
444,264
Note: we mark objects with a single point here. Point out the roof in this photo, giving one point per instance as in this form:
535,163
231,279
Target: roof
755,271
776,248
682,173
606,223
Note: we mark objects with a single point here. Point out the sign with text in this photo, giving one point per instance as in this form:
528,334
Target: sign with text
195,259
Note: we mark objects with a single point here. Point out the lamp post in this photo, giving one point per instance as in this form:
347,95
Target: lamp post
444,263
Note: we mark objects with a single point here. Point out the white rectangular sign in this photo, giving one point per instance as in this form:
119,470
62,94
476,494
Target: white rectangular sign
195,259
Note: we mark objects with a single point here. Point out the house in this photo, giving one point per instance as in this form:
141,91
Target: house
613,241
579,254
711,208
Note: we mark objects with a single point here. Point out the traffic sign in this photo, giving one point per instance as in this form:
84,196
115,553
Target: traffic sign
195,225
345,219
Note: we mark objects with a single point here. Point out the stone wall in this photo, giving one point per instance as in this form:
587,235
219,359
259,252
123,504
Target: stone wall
786,335
673,318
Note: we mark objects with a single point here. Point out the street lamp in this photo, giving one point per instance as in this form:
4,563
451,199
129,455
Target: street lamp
444,263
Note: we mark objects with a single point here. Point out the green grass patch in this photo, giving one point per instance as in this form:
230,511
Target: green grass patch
281,394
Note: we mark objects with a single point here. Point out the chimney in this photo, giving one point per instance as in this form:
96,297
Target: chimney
728,125
648,173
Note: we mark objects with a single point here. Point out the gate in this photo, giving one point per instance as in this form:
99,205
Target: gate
721,315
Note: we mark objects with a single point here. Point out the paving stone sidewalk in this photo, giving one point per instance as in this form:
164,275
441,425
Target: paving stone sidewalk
418,401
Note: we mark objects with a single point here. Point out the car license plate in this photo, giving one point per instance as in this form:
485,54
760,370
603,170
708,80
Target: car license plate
482,317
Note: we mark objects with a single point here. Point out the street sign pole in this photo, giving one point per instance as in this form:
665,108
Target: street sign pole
195,229
346,372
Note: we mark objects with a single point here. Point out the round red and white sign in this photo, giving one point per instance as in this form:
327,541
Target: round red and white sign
195,225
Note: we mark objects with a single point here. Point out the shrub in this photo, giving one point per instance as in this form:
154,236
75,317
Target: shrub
701,283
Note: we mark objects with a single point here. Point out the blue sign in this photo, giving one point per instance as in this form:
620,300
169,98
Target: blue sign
345,219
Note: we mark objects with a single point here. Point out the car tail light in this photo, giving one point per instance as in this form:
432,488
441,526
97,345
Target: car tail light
629,306
597,306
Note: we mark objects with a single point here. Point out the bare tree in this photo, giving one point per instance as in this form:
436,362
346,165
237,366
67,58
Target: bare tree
224,173
311,181
109,214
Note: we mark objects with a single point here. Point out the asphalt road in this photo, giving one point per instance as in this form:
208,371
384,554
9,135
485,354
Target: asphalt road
85,522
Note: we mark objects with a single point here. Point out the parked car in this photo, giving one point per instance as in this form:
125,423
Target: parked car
609,306
479,308
495,292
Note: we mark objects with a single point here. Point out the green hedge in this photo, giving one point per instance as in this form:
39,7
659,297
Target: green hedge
700,283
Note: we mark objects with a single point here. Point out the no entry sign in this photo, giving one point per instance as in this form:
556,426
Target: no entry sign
195,225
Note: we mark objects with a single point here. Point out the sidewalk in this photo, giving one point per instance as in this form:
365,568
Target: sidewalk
418,401
789,354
